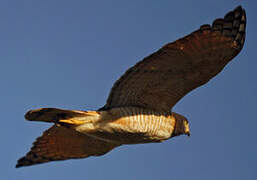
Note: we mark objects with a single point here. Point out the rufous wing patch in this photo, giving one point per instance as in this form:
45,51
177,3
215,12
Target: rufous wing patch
60,143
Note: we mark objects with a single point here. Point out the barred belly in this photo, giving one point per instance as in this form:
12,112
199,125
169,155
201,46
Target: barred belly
132,125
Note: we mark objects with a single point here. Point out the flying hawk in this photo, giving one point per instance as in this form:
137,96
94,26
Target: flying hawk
138,109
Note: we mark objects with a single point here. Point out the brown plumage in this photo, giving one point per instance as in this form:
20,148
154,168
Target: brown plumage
59,143
138,109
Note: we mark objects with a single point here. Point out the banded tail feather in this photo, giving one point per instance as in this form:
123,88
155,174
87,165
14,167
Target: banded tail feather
54,115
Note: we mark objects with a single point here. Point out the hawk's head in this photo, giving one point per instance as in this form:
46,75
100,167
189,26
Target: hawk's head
181,125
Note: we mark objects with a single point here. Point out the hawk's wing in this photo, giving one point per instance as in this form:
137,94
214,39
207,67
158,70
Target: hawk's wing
60,143
160,80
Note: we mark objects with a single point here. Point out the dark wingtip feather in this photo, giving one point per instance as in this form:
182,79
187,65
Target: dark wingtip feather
22,162
235,25
31,158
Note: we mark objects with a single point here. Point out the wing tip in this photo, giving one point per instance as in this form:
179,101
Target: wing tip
232,25
23,162
31,158
235,25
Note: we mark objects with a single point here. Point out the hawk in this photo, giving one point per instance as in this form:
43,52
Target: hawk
138,109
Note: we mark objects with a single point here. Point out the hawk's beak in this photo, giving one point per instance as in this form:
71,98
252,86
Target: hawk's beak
187,129
188,134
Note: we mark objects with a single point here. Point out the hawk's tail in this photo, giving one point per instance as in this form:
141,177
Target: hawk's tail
62,116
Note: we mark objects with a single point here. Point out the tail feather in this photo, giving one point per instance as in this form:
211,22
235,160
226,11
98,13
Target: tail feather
61,116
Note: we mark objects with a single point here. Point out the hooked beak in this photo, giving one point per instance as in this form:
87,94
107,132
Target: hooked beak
188,134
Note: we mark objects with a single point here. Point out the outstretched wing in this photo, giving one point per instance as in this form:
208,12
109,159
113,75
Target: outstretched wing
160,80
60,143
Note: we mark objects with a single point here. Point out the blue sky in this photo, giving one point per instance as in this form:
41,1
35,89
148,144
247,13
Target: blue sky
67,54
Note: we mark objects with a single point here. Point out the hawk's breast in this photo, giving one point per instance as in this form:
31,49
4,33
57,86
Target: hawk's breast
131,125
